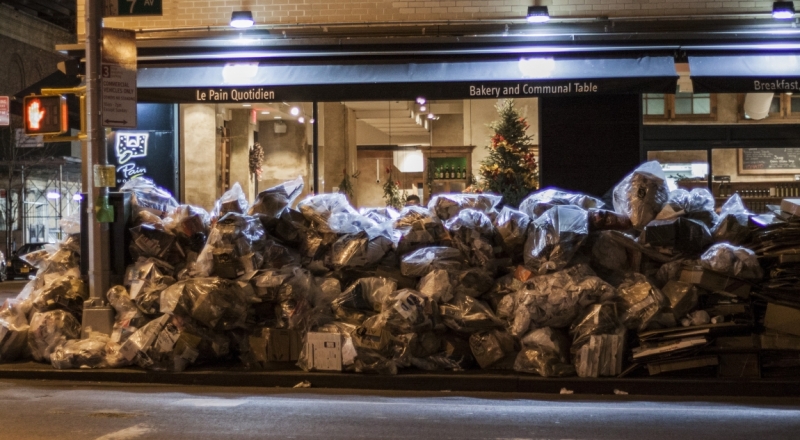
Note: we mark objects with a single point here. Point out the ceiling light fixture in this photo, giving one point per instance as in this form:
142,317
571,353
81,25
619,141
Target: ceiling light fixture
783,10
241,19
264,113
538,14
294,111
301,120
420,100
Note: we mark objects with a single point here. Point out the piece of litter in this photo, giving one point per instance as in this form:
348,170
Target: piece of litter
566,391
303,384
620,392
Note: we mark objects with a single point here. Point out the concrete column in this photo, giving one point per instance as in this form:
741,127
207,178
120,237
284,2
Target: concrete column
199,171
241,132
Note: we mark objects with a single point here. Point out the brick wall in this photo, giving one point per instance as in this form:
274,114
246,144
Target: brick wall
190,13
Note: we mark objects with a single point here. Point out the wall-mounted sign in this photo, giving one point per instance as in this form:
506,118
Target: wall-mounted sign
5,118
769,160
118,78
26,141
116,8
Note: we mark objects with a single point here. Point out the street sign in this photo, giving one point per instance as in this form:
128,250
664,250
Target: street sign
44,115
5,118
118,8
118,78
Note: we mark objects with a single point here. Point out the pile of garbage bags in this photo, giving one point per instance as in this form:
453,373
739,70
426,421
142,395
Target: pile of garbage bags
561,286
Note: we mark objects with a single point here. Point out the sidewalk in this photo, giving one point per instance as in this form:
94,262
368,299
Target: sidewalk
417,381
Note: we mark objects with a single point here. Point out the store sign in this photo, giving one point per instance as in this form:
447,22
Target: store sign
128,147
5,114
253,94
532,89
118,78
150,151
117,8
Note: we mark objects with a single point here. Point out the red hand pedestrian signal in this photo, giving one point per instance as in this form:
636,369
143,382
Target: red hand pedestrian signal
35,114
45,115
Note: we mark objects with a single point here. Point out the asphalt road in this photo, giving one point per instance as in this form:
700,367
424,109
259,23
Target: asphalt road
63,410
10,289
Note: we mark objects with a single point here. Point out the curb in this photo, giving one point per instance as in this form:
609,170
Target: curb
419,381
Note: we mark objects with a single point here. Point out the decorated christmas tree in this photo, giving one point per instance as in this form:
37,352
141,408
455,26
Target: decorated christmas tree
510,169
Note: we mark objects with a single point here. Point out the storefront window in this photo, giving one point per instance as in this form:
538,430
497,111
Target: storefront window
424,147
761,176
684,169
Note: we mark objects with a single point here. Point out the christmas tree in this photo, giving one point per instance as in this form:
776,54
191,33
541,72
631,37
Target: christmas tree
511,169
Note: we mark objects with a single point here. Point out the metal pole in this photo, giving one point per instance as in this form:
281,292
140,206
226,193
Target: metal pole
315,145
60,199
97,315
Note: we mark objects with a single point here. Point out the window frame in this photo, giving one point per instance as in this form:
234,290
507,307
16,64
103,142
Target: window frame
671,115
784,113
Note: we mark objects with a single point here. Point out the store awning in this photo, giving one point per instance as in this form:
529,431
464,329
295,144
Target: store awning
745,73
253,82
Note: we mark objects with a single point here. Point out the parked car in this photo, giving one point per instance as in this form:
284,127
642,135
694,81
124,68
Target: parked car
17,267
3,273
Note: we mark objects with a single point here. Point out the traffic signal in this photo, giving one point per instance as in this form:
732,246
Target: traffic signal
45,115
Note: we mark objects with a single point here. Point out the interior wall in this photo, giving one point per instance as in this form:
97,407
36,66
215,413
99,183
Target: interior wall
448,130
198,154
285,154
589,143
369,185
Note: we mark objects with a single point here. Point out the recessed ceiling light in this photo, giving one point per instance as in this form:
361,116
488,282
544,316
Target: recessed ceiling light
278,117
245,105
264,113
294,111
301,120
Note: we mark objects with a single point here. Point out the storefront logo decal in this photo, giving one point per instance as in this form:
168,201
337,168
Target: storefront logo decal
533,89
236,95
776,85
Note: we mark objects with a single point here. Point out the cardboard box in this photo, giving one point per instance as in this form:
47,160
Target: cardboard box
782,319
682,297
275,345
655,368
324,351
791,206
715,282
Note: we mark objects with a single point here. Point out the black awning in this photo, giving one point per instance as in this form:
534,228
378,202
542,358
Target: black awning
252,82
745,73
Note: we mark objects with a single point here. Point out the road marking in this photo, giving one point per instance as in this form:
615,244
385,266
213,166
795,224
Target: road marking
132,432
211,403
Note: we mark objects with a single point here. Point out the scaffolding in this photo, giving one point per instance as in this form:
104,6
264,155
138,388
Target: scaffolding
35,196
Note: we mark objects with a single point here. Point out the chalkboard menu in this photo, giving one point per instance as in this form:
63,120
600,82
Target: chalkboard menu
769,161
